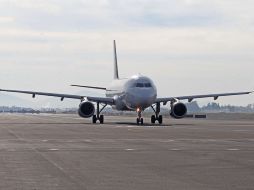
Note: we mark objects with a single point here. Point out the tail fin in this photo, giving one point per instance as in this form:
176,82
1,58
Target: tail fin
116,76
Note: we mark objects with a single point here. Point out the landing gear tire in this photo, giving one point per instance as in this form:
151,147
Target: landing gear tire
137,121
101,119
139,118
156,117
141,121
94,119
160,119
153,119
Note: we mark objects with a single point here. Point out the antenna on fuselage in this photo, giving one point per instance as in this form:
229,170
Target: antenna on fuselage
116,76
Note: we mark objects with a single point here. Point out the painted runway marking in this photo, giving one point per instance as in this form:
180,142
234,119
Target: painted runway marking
124,126
175,149
167,141
53,149
129,149
45,140
242,130
233,149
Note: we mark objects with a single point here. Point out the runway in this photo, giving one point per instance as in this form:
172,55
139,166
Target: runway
68,152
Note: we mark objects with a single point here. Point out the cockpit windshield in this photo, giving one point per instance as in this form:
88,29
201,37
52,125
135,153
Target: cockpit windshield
143,85
148,85
140,85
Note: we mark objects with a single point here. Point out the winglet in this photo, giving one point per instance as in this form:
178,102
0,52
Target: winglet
116,76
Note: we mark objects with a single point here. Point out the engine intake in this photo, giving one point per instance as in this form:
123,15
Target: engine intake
86,109
178,110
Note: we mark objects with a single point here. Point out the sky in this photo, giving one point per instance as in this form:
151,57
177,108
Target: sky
186,46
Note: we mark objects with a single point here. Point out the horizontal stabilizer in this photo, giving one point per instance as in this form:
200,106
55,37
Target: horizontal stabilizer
93,87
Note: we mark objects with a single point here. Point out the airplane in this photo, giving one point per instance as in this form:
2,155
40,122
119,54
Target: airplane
136,93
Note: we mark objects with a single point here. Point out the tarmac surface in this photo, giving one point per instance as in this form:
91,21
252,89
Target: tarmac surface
68,152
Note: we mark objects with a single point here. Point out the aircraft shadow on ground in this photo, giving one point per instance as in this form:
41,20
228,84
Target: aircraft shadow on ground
149,124
97,124
36,123
134,124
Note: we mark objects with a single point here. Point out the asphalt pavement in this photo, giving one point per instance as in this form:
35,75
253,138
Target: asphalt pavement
68,152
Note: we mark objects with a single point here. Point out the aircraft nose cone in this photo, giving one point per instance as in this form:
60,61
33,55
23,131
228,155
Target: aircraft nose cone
141,99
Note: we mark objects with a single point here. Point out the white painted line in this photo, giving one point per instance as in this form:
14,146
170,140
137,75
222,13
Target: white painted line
175,149
53,149
129,149
233,149
124,126
167,141
45,140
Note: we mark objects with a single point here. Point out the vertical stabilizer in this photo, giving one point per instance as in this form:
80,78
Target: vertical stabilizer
116,76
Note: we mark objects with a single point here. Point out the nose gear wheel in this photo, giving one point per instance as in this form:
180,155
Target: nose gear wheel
140,120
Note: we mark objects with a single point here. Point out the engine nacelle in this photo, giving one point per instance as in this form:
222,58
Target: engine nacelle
86,109
178,110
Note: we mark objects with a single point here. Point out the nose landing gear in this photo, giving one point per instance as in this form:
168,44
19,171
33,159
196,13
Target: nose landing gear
156,117
139,119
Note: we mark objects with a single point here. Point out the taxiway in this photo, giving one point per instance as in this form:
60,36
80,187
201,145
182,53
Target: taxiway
68,152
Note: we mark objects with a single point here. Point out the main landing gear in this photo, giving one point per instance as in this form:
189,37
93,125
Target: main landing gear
156,117
139,119
99,117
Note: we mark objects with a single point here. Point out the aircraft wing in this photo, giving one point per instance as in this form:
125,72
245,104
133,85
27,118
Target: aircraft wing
105,100
190,98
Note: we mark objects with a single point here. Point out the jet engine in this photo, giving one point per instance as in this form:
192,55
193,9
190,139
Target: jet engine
178,110
86,109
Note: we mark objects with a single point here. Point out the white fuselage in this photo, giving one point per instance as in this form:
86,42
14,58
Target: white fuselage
137,92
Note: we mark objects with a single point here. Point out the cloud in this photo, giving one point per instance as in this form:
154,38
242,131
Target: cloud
177,41
6,19
82,15
88,14
31,5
